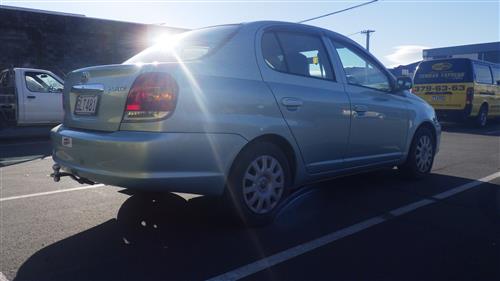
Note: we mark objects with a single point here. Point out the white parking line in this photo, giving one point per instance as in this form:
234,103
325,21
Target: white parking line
50,192
290,253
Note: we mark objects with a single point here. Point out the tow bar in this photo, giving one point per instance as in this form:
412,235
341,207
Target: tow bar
57,174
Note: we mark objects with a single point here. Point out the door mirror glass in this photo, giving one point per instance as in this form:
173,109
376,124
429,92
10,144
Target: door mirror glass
404,83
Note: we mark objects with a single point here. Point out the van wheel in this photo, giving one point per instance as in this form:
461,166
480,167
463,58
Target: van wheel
482,116
258,182
421,155
3,121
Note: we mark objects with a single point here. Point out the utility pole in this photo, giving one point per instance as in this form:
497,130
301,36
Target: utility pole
367,32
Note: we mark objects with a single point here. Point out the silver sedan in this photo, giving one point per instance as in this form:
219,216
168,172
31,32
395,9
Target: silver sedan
248,111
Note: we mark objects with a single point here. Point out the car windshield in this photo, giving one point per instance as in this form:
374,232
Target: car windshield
189,45
444,71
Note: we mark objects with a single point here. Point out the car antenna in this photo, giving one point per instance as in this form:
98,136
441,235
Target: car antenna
337,12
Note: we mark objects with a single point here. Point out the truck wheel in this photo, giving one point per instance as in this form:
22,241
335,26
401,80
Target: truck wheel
258,182
421,156
482,116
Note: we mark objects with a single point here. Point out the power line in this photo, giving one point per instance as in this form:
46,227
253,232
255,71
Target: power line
336,12
349,35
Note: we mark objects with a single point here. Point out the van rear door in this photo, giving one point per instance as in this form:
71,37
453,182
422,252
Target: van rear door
444,83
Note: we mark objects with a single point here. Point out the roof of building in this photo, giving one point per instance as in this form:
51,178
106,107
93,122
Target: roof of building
29,10
464,49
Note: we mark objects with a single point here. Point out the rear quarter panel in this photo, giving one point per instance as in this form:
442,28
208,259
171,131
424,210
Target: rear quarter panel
224,93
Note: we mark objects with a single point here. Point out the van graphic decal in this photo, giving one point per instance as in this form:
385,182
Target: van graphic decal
442,66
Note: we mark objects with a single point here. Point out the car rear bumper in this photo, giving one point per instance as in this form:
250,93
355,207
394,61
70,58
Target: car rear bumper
454,114
178,162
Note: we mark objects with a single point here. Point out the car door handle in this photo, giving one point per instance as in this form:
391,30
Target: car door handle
291,103
360,108
31,97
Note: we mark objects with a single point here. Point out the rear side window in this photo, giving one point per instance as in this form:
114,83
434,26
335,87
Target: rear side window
444,71
496,75
296,53
483,74
271,50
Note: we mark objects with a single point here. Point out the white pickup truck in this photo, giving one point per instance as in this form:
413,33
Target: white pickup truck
30,97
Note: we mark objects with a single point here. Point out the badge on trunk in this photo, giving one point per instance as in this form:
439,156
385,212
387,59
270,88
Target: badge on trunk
85,77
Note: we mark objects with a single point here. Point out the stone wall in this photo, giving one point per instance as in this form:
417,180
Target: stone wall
63,42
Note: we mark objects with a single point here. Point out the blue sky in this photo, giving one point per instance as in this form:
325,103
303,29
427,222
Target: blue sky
402,27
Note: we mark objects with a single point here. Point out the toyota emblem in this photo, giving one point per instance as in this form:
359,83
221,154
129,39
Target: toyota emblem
85,77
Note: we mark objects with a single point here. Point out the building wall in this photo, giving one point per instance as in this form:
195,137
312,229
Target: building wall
485,51
62,43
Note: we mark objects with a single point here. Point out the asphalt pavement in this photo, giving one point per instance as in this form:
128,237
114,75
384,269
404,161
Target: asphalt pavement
370,226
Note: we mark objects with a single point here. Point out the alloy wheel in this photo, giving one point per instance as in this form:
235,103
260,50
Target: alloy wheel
424,153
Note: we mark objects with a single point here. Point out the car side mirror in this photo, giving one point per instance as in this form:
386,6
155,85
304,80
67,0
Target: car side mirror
404,83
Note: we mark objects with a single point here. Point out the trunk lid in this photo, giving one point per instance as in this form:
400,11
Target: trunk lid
95,97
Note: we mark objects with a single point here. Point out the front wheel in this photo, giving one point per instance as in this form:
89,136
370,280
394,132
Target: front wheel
421,155
258,183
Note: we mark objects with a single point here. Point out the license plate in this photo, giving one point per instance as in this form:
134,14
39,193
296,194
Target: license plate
86,105
438,98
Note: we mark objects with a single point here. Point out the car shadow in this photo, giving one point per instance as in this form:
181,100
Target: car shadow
492,129
15,151
169,237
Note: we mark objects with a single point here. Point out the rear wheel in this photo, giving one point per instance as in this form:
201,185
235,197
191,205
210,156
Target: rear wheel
421,155
258,183
482,116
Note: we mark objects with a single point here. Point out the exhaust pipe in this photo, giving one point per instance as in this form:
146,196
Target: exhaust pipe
57,175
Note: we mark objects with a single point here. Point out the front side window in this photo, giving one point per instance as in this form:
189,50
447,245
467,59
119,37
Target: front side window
296,53
360,70
42,83
483,74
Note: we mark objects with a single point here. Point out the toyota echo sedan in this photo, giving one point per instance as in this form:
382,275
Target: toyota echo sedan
247,111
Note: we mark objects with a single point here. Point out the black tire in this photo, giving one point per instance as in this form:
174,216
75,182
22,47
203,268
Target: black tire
482,116
414,168
3,121
237,193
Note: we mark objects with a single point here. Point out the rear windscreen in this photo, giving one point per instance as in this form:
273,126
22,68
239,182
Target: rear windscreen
444,71
189,45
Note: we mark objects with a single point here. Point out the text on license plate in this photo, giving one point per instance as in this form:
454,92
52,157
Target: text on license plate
438,98
86,105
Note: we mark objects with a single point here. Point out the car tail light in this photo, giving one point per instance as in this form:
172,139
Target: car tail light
469,95
153,96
